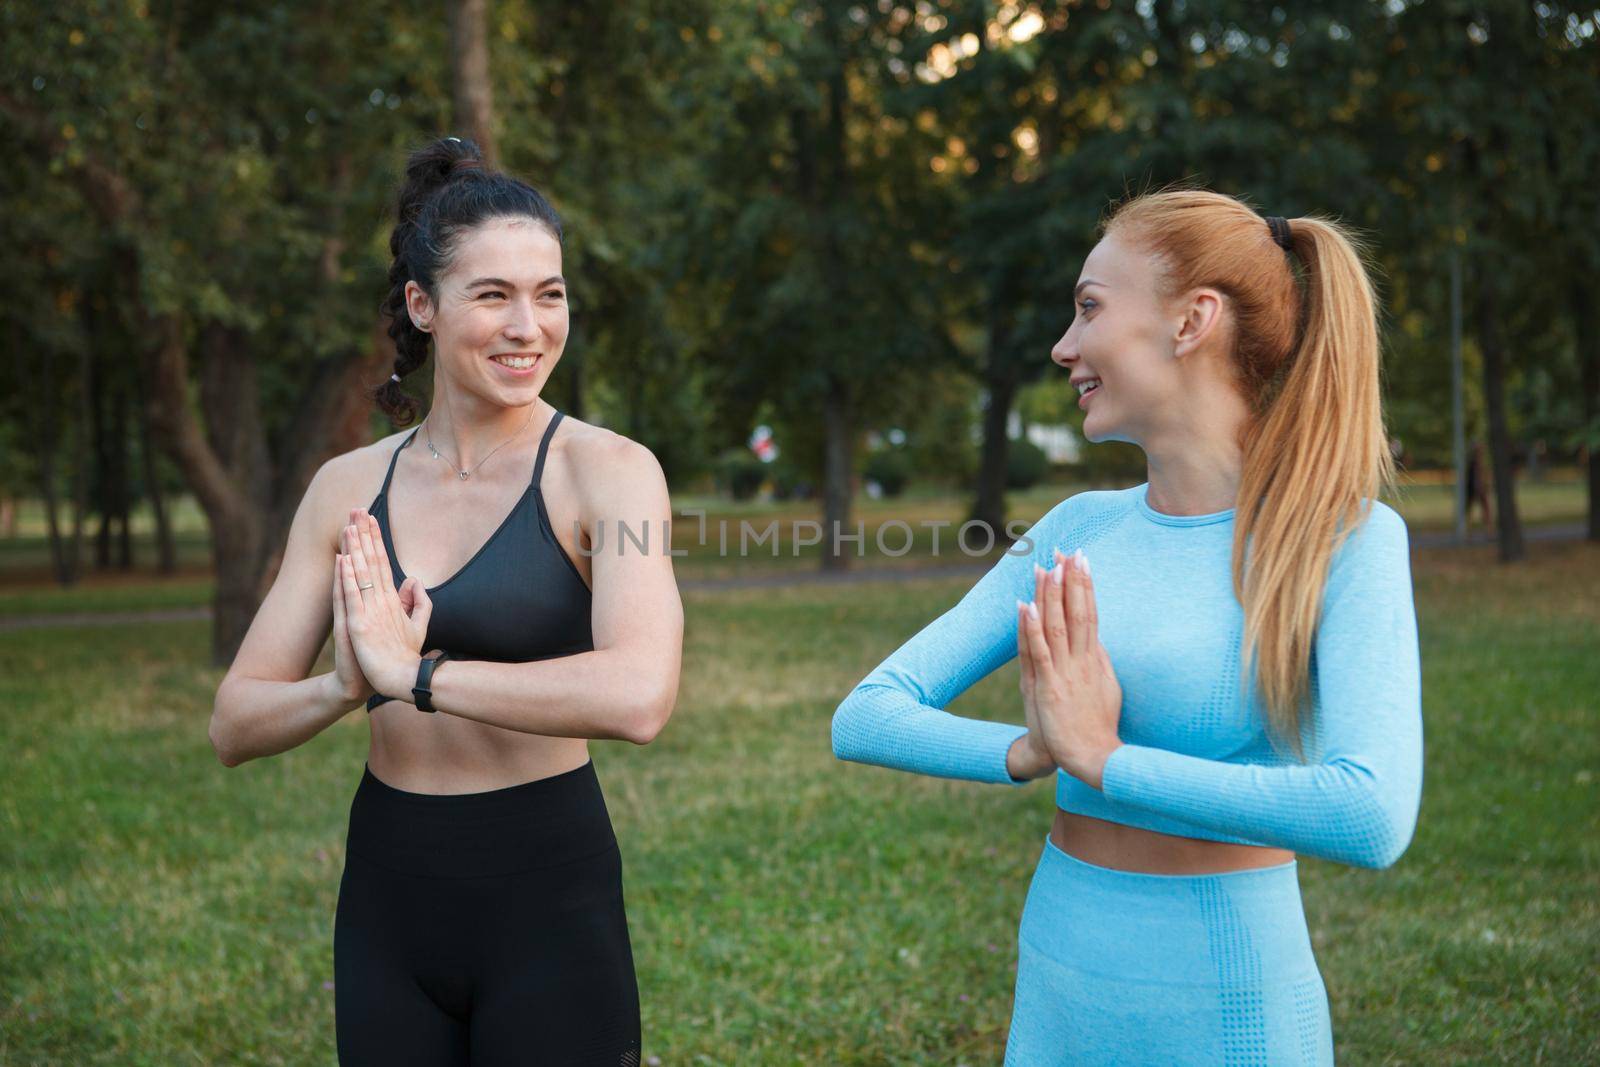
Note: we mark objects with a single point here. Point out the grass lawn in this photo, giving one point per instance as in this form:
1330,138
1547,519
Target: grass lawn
158,908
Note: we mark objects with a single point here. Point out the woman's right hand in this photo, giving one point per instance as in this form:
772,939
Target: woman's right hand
353,685
1029,758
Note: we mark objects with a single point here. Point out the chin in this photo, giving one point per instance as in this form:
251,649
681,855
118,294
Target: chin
1095,434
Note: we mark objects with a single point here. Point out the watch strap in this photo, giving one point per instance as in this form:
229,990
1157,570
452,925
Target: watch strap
422,692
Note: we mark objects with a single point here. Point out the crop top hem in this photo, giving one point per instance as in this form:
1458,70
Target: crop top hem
1123,785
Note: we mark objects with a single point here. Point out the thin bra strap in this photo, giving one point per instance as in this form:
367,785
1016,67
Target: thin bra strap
544,445
384,492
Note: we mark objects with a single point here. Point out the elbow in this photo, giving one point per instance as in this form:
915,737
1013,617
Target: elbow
1376,832
845,732
1386,843
227,753
837,732
1373,857
222,734
650,717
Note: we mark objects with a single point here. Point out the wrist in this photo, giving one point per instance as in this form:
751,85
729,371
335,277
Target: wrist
331,693
399,679
1027,758
1090,768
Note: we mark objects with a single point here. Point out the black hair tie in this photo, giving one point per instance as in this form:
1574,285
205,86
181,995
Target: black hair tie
1280,232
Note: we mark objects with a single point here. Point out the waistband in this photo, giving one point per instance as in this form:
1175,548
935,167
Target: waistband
1168,929
543,823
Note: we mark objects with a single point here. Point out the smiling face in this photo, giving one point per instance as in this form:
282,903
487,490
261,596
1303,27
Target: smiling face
499,322
1123,341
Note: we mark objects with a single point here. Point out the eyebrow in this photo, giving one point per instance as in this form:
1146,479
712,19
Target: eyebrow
554,279
1086,282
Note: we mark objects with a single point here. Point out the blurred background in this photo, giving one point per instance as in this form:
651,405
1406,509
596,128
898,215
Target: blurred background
818,253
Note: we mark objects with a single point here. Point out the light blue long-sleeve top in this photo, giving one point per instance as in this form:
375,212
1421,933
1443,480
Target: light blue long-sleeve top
1195,760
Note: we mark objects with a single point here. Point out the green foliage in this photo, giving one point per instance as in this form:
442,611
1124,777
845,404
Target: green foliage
790,481
769,204
740,473
1026,464
890,468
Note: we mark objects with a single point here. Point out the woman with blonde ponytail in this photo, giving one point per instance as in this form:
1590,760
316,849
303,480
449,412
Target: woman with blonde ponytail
1235,683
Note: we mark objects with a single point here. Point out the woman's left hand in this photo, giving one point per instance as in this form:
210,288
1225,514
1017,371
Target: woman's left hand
387,626
1075,689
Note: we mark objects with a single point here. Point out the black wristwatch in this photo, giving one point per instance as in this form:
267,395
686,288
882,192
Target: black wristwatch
422,694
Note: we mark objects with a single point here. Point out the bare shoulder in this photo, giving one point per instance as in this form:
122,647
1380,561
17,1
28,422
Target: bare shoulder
611,472
350,479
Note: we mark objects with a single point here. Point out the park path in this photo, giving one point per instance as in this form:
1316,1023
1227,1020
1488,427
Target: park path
1574,531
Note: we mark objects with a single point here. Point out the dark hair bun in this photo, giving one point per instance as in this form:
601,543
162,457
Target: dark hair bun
429,169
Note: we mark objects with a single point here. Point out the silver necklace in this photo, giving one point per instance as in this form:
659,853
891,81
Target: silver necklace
461,473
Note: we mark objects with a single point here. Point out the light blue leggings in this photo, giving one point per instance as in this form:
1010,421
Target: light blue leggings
1124,968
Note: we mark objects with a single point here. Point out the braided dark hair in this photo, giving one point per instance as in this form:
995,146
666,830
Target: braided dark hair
448,190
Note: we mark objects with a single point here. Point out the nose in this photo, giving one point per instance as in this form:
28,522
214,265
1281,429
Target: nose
523,323
1065,351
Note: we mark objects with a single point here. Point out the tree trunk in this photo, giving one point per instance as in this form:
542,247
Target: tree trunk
1489,340
989,506
44,437
1588,340
236,544
166,546
230,396
99,432
1000,385
838,463
121,501
82,460
473,103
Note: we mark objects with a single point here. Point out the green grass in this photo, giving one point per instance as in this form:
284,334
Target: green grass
158,908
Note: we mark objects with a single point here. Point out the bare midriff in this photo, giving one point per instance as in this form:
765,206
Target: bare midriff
1130,848
446,754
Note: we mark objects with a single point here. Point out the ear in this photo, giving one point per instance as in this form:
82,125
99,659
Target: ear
1202,321
418,306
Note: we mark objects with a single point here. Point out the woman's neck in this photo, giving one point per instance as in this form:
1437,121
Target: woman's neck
466,429
1195,461
1194,473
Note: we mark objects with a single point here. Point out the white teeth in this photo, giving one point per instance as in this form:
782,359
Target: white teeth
1087,384
518,363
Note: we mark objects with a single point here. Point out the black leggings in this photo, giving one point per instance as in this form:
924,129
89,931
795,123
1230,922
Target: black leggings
484,929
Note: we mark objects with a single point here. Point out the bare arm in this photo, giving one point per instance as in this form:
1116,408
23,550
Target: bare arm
626,688
266,704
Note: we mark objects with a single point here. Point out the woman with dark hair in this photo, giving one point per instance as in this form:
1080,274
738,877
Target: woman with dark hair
1238,681
480,916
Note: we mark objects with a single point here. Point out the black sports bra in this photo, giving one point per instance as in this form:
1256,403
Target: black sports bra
519,598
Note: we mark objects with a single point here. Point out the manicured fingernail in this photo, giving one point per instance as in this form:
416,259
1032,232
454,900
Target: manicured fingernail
1083,563
1057,573
1033,612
